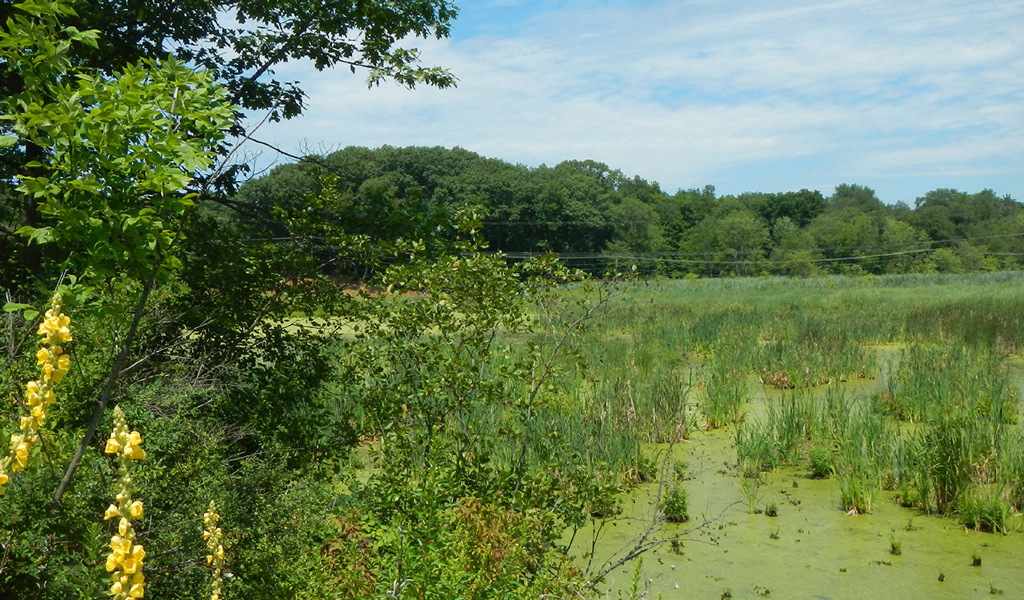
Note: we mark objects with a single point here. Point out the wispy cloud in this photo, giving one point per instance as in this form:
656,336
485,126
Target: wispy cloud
688,93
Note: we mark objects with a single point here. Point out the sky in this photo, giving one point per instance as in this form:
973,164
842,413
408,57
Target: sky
903,97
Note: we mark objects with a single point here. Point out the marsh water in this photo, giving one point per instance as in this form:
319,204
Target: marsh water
811,549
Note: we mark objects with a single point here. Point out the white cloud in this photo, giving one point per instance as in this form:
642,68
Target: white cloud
688,93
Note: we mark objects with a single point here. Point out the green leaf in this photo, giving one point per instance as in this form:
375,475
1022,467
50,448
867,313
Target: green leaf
7,141
15,306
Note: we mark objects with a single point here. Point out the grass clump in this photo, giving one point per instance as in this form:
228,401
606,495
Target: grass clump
675,507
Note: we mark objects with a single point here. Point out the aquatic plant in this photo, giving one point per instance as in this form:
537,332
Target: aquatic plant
724,394
984,511
675,505
823,462
757,448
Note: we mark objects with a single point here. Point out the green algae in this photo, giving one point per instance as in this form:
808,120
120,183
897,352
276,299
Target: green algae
811,549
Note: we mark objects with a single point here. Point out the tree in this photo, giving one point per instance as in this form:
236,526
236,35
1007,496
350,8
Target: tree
239,44
859,197
742,236
794,253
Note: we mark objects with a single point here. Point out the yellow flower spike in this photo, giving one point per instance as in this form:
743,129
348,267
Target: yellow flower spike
129,557
111,512
39,393
215,559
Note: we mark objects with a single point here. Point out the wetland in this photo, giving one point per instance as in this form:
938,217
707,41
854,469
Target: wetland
833,439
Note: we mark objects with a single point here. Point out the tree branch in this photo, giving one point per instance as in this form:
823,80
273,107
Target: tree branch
115,373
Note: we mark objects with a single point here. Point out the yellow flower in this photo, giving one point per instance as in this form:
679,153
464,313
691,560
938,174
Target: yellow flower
116,588
122,526
111,512
138,552
63,362
4,478
39,414
27,422
111,563
51,374
130,565
21,453
32,395
138,578
42,356
116,542
137,591
112,446
135,452
135,438
135,509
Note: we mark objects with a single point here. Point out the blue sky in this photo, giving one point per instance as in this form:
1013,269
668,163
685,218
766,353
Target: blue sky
903,97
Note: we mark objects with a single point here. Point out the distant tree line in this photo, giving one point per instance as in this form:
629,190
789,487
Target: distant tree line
596,217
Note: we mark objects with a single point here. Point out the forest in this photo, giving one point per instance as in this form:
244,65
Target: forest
595,217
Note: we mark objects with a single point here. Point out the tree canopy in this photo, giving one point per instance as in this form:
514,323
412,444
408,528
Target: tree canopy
597,217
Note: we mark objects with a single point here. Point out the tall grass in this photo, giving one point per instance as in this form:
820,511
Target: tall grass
939,430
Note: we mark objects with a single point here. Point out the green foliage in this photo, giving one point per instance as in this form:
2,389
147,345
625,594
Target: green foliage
605,219
676,508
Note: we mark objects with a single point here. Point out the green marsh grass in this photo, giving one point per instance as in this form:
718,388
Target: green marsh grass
678,354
